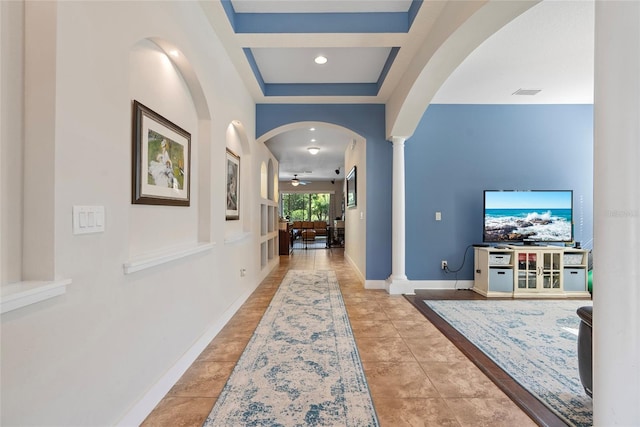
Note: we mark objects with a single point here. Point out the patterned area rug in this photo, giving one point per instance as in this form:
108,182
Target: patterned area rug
535,342
301,367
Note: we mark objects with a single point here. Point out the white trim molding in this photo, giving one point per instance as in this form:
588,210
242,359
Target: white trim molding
375,284
150,400
408,287
22,294
158,258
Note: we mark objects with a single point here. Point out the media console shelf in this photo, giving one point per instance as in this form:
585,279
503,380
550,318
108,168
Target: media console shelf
530,272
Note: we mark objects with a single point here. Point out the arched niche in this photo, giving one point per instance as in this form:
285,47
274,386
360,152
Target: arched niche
237,142
276,185
154,63
270,180
264,177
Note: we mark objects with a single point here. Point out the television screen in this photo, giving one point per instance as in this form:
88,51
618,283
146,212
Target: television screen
521,216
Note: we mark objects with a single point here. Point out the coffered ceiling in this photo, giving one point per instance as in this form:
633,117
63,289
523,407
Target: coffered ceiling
369,45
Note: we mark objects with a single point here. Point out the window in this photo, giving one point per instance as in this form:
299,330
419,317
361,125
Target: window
305,206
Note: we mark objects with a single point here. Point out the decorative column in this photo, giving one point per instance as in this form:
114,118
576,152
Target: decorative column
398,278
616,209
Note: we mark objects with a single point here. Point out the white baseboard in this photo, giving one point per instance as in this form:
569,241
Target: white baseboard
375,284
356,269
139,412
442,284
408,287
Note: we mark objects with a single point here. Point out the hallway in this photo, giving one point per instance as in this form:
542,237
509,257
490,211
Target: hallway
417,376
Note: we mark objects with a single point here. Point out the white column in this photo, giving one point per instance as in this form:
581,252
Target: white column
398,277
616,281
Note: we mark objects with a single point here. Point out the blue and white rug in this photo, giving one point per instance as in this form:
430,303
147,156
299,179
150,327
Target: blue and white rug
535,342
301,367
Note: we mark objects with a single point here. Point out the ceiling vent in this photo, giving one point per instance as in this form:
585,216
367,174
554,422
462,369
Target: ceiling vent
529,92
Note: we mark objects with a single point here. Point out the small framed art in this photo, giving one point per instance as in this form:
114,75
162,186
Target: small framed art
352,188
233,185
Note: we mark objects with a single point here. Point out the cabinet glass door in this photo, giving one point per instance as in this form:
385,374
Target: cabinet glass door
551,270
527,270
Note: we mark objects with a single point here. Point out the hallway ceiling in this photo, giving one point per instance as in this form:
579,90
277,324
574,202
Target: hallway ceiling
369,45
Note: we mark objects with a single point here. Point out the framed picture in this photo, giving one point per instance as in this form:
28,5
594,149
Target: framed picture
233,185
352,188
161,160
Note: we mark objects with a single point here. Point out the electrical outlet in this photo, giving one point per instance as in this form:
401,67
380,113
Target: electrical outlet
443,264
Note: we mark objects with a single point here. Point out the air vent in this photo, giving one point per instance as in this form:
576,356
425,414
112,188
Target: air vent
529,92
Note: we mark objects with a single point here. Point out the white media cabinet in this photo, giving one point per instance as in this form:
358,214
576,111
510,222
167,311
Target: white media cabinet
531,272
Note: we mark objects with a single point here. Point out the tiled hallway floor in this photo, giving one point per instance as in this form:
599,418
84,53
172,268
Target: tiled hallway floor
417,376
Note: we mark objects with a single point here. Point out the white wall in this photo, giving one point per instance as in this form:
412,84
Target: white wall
356,217
87,357
11,104
616,255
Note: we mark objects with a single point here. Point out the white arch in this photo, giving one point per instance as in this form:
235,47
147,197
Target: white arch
306,124
462,27
185,69
242,135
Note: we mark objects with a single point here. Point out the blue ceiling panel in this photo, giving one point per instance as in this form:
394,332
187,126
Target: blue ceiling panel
321,89
379,22
352,22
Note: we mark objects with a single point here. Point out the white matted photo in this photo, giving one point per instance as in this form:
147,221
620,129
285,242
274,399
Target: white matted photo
161,160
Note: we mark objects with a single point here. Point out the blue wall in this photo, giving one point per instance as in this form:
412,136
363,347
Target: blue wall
367,120
457,151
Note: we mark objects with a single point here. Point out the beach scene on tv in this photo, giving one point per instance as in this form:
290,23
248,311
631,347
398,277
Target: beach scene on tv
515,216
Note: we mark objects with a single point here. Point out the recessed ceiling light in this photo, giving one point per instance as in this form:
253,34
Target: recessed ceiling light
320,59
313,140
313,150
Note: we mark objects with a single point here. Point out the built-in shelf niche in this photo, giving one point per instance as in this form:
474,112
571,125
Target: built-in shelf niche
269,218
263,254
276,218
271,248
271,224
263,220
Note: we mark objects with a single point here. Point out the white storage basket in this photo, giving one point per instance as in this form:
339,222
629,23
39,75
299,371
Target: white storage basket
572,259
499,259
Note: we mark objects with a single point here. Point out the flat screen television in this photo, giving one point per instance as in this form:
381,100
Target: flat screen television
528,216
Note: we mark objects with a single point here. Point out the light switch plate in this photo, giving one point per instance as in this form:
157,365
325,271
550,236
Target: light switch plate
88,219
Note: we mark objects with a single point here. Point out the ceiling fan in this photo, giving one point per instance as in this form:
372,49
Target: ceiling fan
295,181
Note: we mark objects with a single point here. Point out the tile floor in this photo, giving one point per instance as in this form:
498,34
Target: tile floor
417,376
